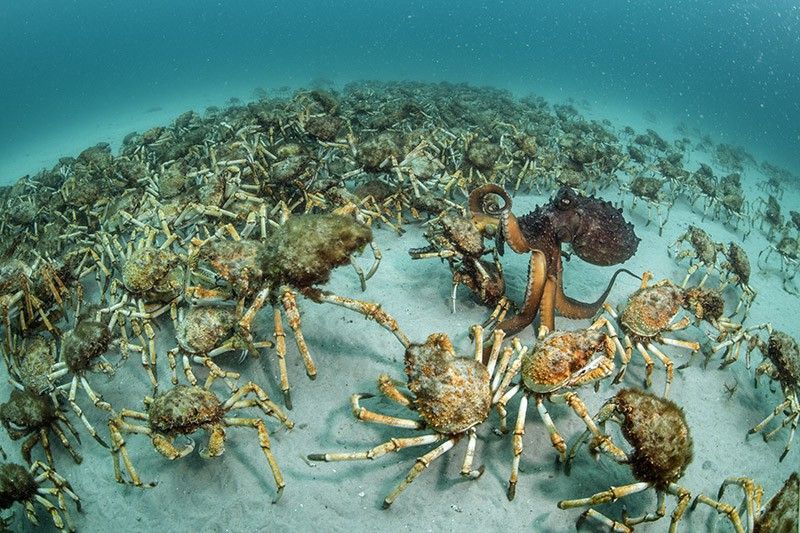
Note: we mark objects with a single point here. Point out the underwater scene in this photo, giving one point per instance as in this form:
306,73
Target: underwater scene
425,266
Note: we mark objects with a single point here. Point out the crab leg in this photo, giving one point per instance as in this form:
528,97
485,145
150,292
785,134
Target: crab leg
293,315
365,415
280,349
421,464
519,432
264,443
368,309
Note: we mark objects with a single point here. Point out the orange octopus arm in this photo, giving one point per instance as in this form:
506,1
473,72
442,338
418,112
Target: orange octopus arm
537,279
571,308
547,312
512,233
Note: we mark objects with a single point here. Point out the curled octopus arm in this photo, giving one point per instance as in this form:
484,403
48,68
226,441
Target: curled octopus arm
503,217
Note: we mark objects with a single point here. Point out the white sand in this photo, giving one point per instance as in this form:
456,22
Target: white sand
233,493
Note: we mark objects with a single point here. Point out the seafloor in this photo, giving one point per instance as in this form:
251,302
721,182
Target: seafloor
234,492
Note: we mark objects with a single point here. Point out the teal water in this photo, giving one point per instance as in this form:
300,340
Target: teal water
731,69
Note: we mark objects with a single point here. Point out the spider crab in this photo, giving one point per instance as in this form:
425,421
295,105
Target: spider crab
596,230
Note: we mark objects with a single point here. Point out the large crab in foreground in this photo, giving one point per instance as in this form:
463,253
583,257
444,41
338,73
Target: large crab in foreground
452,395
596,231
662,449
559,363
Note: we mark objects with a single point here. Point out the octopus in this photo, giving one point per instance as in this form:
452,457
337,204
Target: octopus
594,228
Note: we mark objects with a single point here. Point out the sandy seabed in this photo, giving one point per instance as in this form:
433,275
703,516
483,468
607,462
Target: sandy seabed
234,492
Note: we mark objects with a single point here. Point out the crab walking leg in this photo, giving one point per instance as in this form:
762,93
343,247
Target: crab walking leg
502,365
519,431
67,445
289,303
469,457
661,510
115,428
500,407
597,516
388,388
31,441
512,371
419,467
648,365
147,355
368,309
280,350
775,412
96,400
603,441
52,509
476,332
498,313
555,438
392,445
497,343
365,415
377,256
82,416
611,495
269,407
723,508
360,273
689,345
264,443
667,362
684,497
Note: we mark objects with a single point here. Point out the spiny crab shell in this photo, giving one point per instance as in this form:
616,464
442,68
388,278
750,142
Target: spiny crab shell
183,409
783,510
705,303
154,274
739,262
306,248
16,484
203,327
452,393
25,412
83,344
650,310
237,262
784,353
562,356
34,364
657,430
463,235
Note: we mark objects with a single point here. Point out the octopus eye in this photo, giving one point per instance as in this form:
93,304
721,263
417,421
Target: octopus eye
564,197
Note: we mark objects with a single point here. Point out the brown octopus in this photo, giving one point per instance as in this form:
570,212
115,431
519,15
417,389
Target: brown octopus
596,230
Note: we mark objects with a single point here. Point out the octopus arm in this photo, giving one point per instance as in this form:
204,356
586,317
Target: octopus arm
571,308
509,225
537,278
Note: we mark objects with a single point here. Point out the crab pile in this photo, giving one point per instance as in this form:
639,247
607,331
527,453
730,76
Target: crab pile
200,246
